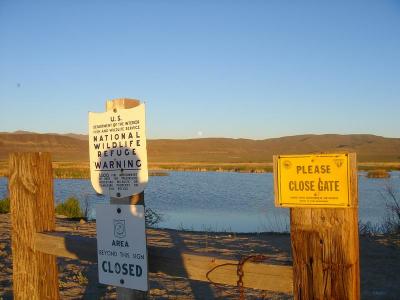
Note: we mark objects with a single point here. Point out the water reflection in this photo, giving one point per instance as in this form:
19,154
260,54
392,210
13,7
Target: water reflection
222,201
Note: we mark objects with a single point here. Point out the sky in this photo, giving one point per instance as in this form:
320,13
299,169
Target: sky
240,69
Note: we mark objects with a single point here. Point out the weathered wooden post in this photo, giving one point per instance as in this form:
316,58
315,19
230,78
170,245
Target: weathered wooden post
124,293
35,274
322,193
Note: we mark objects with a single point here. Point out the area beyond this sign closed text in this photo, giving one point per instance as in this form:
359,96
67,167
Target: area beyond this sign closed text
121,246
321,180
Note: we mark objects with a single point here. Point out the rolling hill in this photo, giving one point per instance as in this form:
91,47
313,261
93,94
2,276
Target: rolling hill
72,147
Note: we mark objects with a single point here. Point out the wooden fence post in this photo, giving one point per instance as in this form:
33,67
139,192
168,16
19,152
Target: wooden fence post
138,199
325,249
35,274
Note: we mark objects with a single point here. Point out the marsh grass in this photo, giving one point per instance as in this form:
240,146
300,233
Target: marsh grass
370,229
391,223
386,166
379,173
215,167
72,170
80,170
72,173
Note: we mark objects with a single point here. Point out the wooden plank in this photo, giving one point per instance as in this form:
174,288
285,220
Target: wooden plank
35,274
67,245
124,293
325,249
257,276
180,264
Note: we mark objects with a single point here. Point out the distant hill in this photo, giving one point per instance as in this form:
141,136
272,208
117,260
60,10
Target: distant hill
63,148
73,147
368,147
83,137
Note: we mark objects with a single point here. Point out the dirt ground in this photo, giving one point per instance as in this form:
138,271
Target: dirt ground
380,264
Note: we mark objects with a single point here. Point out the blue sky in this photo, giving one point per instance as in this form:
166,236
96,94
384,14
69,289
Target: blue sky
250,69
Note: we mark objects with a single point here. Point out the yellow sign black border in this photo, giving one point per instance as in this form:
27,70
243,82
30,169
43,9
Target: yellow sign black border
279,202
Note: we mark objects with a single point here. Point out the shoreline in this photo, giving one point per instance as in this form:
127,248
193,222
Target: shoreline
189,231
84,174
165,172
379,256
80,170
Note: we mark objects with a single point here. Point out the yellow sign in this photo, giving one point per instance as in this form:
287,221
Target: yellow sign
321,180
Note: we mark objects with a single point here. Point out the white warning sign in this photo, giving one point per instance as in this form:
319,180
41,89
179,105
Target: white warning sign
121,246
117,150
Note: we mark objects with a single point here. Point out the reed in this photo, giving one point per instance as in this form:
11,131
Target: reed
378,174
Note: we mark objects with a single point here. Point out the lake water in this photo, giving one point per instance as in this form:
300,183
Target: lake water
216,201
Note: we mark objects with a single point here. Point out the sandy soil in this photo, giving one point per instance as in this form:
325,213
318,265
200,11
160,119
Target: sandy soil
380,264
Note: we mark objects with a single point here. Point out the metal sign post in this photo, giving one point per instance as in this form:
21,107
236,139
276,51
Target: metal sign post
118,164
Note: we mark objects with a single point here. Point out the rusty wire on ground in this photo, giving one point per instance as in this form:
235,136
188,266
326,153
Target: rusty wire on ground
239,272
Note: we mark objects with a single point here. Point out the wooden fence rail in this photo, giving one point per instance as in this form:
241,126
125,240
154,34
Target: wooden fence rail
171,262
36,242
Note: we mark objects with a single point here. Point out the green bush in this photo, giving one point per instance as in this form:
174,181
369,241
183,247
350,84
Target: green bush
70,208
378,174
5,206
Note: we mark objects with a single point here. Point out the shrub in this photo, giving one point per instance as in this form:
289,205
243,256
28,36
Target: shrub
70,208
392,222
152,218
378,174
5,206
369,229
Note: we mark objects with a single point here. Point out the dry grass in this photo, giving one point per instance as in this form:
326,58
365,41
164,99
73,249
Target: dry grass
3,168
387,166
74,170
78,170
216,167
378,174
